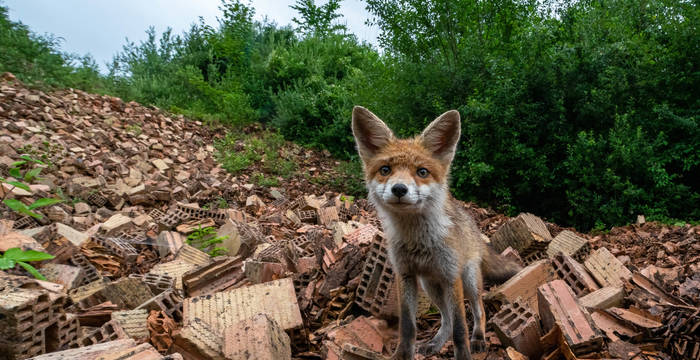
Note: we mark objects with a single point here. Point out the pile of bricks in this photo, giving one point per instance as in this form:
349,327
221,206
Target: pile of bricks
300,272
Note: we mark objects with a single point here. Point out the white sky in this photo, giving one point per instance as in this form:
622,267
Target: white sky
100,27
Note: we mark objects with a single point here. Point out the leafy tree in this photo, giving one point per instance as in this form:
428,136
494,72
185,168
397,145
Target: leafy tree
318,20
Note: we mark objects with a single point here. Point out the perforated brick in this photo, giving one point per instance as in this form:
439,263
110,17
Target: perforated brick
118,247
308,216
526,233
574,274
172,219
517,325
570,244
157,215
110,331
304,245
90,273
377,291
97,199
169,302
199,214
67,331
157,282
606,268
175,269
26,222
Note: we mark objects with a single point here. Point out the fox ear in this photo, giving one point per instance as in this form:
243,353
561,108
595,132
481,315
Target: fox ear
442,135
371,133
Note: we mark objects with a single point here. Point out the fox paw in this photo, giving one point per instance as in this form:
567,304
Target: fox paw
402,353
478,344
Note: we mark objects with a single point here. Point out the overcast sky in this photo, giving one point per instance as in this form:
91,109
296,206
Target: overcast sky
100,27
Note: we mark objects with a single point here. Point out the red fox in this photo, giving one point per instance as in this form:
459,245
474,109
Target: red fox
431,238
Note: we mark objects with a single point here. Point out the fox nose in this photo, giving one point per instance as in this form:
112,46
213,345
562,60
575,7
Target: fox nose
399,190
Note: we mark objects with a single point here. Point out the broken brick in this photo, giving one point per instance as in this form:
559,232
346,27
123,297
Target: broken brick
526,233
274,298
257,337
517,325
192,255
127,293
219,275
169,242
133,322
570,244
68,276
523,285
574,274
208,342
558,307
169,302
90,352
603,298
606,268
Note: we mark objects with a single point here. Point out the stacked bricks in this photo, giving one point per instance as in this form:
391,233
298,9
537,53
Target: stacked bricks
377,291
118,247
157,282
517,325
558,307
527,234
569,244
574,274
607,269
33,322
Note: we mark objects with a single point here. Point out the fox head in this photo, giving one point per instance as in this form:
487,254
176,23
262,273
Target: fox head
406,175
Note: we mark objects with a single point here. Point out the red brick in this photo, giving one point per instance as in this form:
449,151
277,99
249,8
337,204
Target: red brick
517,325
575,275
524,285
258,337
558,307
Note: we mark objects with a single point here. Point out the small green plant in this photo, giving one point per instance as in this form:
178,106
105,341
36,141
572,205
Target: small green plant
27,177
134,129
205,239
17,256
261,180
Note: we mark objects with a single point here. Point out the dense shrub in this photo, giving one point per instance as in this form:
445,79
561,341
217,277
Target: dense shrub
585,112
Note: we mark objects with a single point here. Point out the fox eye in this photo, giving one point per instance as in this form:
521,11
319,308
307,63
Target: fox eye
423,172
385,170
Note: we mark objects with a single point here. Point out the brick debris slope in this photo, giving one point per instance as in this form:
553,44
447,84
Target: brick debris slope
301,272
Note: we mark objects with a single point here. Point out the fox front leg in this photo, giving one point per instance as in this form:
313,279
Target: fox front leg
408,299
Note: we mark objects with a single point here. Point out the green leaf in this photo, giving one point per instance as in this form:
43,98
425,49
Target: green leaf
28,255
19,207
15,205
6,263
29,158
18,163
32,270
20,185
44,202
32,174
14,172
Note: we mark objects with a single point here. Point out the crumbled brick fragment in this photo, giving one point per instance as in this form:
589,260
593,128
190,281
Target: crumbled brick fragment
257,337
